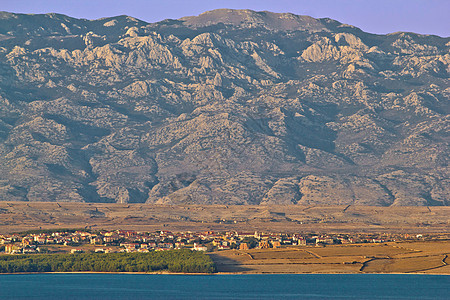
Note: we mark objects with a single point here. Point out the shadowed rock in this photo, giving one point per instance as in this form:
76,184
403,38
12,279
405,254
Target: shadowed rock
228,107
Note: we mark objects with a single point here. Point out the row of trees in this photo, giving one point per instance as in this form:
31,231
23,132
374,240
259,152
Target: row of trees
174,261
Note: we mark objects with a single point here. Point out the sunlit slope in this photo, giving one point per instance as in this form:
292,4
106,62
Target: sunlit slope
232,107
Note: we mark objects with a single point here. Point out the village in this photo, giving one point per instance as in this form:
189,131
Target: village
78,241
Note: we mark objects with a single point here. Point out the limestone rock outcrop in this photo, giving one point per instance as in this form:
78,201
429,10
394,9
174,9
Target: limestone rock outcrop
228,107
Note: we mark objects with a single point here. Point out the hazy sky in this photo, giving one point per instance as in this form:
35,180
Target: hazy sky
376,16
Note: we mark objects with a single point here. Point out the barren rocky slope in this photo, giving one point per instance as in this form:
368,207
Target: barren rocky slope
231,107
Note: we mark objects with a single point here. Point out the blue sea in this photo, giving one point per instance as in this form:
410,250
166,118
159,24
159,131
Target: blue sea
304,286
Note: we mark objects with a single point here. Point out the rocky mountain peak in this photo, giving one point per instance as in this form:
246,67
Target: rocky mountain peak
246,18
231,107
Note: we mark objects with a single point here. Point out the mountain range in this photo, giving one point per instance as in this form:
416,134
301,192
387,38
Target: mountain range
228,107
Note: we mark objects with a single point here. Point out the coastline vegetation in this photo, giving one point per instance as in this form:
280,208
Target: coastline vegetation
177,261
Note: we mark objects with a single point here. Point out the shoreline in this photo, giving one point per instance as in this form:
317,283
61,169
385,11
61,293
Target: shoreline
224,273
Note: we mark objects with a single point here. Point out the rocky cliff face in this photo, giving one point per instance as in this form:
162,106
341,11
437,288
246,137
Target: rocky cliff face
232,106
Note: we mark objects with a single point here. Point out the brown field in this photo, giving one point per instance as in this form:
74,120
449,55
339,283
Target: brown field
20,216
442,270
281,253
367,250
427,257
404,265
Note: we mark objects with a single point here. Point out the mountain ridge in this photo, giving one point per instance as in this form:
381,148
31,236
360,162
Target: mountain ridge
188,18
120,110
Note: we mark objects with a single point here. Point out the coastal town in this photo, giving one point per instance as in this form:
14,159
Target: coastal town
79,241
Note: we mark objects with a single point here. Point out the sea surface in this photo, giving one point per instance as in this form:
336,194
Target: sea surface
142,286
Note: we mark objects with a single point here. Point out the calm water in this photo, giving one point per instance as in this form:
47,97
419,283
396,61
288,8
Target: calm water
137,286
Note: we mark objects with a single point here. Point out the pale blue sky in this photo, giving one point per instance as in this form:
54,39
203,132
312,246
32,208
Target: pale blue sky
376,16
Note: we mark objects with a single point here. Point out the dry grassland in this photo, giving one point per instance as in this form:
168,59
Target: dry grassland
427,257
366,250
284,254
404,265
20,216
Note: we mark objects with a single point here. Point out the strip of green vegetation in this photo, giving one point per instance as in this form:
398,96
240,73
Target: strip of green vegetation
173,261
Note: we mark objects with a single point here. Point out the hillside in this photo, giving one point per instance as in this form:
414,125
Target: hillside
228,107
